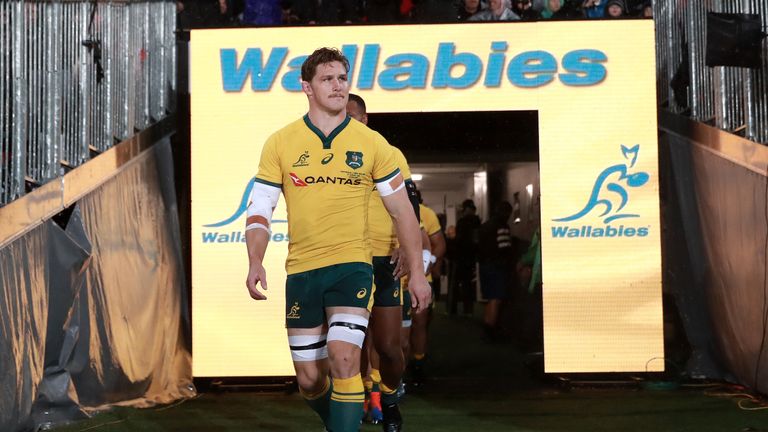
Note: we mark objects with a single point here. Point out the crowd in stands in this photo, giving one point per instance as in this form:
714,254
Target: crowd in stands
229,13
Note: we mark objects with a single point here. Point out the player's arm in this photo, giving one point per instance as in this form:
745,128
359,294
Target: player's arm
262,203
426,255
406,225
437,241
413,197
426,251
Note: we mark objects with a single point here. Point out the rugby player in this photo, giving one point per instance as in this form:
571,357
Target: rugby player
326,166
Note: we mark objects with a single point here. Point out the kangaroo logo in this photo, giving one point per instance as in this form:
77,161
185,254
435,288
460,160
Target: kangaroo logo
612,194
303,160
242,208
294,313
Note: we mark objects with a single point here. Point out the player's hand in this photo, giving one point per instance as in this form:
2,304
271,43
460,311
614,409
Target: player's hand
421,292
256,274
400,268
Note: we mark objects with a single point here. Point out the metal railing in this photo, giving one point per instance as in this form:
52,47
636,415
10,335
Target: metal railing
732,99
77,77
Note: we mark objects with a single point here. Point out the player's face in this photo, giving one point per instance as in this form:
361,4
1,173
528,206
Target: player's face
329,88
355,111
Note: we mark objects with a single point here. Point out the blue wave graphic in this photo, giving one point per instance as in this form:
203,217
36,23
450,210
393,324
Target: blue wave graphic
242,208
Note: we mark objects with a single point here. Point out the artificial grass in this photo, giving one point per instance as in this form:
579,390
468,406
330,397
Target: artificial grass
472,386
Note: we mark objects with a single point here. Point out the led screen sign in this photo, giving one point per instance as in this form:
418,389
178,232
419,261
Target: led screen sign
594,90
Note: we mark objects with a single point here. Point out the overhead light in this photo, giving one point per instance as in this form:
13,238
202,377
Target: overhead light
529,189
416,177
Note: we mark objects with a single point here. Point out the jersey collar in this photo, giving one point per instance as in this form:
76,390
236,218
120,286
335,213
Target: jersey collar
326,140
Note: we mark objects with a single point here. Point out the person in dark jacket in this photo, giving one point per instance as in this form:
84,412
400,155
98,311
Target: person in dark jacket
497,256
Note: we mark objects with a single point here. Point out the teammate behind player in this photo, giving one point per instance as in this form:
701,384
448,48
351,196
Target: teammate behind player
328,286
386,359
421,319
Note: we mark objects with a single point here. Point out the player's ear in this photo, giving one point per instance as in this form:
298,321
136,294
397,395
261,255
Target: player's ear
306,88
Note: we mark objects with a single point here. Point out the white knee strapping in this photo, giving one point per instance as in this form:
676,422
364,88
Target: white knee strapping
407,323
347,328
308,347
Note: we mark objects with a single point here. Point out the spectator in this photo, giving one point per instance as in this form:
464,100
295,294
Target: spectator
468,8
498,11
524,9
551,8
594,8
647,10
262,12
615,9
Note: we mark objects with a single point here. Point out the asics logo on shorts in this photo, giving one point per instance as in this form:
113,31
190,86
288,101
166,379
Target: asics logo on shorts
396,293
362,293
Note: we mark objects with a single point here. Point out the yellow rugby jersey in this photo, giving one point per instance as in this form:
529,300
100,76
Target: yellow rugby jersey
381,230
327,182
429,219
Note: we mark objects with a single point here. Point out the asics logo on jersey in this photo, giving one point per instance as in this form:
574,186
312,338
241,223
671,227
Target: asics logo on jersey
303,160
327,158
361,294
297,181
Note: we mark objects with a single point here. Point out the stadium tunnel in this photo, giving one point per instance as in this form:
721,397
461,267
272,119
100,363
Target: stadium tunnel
95,236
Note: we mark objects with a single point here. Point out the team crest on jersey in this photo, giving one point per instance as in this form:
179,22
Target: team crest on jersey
303,160
354,159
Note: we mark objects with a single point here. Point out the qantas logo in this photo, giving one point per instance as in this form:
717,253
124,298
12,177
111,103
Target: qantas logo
298,182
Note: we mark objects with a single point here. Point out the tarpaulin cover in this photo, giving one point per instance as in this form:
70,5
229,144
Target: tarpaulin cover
722,207
95,314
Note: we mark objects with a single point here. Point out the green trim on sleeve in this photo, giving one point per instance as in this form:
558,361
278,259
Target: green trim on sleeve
268,183
392,174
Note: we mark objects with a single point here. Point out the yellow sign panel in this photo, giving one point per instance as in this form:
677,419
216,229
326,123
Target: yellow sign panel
594,91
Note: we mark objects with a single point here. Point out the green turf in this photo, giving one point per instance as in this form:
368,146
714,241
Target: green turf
473,386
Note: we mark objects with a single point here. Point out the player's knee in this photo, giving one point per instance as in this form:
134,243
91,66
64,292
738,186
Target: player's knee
347,328
310,381
389,349
308,348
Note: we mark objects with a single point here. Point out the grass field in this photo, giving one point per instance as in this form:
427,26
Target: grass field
472,386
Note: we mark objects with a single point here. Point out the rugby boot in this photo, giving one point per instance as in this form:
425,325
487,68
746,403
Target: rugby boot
400,391
393,422
374,408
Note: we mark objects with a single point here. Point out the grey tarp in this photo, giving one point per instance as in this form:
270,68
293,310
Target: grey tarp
722,207
95,314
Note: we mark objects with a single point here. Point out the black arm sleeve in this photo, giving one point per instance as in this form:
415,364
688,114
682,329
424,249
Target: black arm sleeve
410,188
